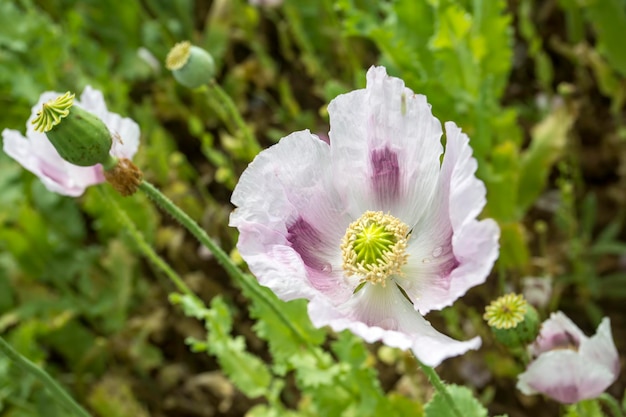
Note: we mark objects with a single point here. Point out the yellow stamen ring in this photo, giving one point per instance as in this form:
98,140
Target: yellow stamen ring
374,247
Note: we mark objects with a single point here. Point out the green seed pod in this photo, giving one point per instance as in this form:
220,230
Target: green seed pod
80,137
191,66
513,321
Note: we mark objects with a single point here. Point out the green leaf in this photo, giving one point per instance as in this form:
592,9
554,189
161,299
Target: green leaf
314,370
608,18
462,397
351,349
586,408
282,341
548,140
245,370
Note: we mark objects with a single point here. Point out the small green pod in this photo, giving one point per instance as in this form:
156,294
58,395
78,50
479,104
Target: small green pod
79,136
191,66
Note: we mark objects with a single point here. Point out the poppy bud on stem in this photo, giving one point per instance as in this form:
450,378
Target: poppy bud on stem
513,321
82,139
192,66
79,136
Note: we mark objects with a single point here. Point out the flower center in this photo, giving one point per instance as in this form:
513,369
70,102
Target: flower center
374,247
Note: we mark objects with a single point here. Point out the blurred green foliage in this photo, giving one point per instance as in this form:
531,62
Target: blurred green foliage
76,298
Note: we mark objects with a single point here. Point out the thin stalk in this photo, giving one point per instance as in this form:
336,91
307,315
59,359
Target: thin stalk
145,248
235,115
57,391
245,280
434,379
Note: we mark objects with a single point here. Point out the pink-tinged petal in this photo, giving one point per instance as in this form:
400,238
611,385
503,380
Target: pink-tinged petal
124,130
272,260
385,147
297,198
600,348
557,332
378,313
287,190
565,376
450,251
38,156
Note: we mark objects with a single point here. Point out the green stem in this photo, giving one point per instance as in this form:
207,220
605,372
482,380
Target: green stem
251,143
144,246
612,404
58,393
440,387
247,281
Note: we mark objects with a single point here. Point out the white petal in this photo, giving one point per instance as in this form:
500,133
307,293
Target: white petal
385,146
38,156
601,349
287,193
378,313
124,130
557,332
450,251
565,376
93,100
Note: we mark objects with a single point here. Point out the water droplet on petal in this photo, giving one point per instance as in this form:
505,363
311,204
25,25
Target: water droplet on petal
437,251
327,268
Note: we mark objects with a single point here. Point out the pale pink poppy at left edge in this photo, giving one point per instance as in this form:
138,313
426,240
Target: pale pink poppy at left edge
569,366
35,152
302,199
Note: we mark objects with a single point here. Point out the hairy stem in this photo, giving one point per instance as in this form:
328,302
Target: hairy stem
440,387
57,391
144,246
245,280
251,143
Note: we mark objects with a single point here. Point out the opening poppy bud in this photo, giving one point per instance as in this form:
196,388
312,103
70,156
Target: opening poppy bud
191,66
513,321
80,137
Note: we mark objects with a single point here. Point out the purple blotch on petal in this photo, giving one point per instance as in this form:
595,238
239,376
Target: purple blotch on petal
448,266
385,174
565,340
306,241
567,394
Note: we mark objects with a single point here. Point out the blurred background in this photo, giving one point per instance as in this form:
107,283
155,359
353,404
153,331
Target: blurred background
539,86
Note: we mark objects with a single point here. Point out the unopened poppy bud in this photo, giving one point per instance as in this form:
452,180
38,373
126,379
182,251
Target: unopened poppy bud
191,66
80,137
513,321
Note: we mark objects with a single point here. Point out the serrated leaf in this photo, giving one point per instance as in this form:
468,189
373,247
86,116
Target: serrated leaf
350,349
282,341
246,371
462,397
311,372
